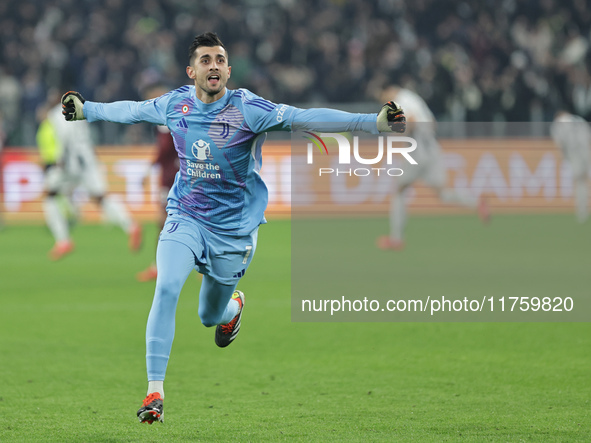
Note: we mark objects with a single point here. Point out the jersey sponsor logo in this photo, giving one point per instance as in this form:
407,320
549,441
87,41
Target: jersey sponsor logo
280,113
201,167
201,150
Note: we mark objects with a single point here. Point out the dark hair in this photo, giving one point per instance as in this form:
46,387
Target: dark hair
208,39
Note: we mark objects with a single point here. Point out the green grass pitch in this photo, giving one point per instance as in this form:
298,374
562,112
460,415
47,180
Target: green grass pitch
72,352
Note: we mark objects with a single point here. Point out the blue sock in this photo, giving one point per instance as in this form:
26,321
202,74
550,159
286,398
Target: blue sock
175,261
216,306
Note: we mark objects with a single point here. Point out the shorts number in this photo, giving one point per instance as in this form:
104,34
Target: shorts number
246,254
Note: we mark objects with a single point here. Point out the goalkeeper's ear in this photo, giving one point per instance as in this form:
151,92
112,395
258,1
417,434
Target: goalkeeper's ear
72,106
391,118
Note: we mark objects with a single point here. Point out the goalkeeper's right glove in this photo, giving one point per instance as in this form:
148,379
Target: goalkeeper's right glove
391,118
72,104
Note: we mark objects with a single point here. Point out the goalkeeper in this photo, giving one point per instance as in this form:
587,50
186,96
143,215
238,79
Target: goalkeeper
218,198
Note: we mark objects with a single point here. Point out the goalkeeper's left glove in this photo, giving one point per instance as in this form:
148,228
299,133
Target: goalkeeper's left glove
72,104
391,118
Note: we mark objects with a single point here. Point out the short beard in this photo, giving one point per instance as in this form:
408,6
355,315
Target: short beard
213,92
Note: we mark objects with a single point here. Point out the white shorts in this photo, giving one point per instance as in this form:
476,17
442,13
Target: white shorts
59,180
429,168
578,160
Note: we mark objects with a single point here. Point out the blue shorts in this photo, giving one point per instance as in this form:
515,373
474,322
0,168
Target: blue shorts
224,258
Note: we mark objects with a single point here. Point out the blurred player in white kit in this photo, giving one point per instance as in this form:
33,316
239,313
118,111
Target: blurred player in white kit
68,155
421,125
573,136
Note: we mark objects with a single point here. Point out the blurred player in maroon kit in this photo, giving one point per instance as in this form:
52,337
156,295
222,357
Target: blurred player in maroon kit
168,161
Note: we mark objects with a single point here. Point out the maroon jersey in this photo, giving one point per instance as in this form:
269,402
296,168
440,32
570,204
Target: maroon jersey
167,157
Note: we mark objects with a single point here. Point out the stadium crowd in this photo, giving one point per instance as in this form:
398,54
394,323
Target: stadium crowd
471,60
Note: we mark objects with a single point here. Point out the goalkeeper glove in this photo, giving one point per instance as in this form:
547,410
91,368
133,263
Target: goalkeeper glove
72,103
391,118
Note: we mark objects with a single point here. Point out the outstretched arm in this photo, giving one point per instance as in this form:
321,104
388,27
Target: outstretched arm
389,119
332,120
76,108
263,116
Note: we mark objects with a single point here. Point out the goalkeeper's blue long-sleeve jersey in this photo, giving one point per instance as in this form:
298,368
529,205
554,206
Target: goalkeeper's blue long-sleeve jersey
219,145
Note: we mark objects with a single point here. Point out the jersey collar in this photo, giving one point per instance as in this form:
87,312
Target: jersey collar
211,107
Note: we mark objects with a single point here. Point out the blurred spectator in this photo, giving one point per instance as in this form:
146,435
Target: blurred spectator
475,60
